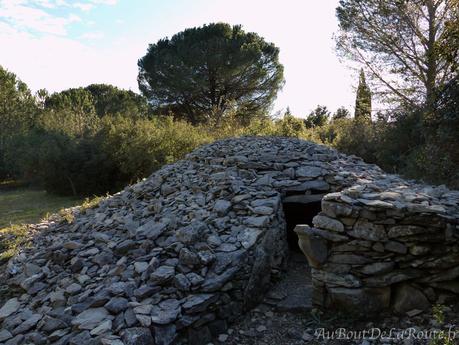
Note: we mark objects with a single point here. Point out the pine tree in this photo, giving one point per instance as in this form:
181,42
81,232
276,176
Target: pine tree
363,99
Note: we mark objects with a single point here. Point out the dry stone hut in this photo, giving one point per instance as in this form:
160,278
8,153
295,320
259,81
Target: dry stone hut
177,256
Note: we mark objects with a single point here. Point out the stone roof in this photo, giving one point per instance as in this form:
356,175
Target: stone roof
194,244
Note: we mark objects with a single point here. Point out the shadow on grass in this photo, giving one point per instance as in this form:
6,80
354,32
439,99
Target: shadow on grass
22,206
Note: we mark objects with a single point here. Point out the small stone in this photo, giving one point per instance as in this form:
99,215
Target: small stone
10,307
395,247
104,327
407,298
146,291
73,289
130,317
377,268
5,335
90,252
191,233
368,231
261,328
227,247
263,210
144,320
414,312
376,203
222,207
31,269
27,324
90,318
72,245
308,171
50,324
188,258
307,337
140,267
328,223
214,241
17,340
257,222
116,305
137,336
222,338
143,309
152,229
165,335
162,274
197,303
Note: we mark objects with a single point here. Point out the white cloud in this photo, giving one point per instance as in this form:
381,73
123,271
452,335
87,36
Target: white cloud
57,63
92,36
45,3
24,17
83,6
104,2
90,4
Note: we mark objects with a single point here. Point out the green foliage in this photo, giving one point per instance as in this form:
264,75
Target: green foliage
357,136
11,239
341,113
137,148
77,101
203,74
363,99
17,112
441,337
436,158
290,126
118,151
100,100
110,100
318,117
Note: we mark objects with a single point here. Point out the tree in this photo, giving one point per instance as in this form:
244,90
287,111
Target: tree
202,74
318,117
341,113
75,106
109,99
397,41
450,44
363,99
100,99
17,114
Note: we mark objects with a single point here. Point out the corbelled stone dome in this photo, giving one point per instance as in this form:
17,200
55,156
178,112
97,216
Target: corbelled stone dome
188,249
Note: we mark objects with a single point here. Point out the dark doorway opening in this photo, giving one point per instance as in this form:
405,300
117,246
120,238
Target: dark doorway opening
300,209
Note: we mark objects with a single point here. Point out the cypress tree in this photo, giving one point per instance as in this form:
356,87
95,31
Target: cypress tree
363,99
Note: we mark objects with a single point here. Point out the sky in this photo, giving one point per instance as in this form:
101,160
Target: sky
58,44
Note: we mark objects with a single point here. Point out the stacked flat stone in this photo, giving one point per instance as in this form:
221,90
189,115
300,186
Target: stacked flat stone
174,258
384,244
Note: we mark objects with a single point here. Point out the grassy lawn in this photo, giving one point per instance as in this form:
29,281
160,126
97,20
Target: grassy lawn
25,206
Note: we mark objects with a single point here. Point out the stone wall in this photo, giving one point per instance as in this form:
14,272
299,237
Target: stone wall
177,256
373,249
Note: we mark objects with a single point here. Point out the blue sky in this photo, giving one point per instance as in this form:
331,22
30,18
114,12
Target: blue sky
57,44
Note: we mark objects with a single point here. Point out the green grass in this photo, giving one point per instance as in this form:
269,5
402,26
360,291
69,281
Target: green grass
20,207
25,206
11,239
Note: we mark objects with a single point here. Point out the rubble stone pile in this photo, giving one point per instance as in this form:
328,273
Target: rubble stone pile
179,255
